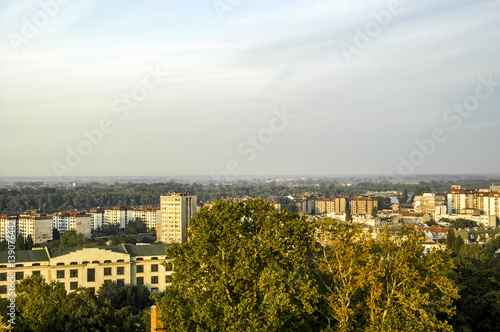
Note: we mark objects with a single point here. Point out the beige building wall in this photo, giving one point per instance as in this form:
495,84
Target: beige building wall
90,267
176,211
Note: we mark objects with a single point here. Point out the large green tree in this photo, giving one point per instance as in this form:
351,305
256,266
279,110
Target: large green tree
245,267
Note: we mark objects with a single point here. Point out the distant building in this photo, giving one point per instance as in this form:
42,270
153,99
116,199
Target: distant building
116,216
363,205
38,225
176,211
96,218
71,220
90,267
149,215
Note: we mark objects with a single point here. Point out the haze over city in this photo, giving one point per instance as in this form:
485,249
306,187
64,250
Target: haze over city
101,88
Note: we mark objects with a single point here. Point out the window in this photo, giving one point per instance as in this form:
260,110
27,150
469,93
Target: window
95,262
120,281
154,258
3,276
19,275
60,274
107,271
154,279
73,273
139,259
154,268
140,281
90,275
73,285
19,265
107,281
120,270
73,263
59,264
36,273
120,261
107,261
154,290
140,268
35,264
3,266
3,289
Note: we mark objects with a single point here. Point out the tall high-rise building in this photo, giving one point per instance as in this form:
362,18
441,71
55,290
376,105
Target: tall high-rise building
176,210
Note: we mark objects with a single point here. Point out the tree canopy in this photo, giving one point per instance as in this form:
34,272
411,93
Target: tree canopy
248,267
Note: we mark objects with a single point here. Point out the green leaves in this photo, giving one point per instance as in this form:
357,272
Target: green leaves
245,267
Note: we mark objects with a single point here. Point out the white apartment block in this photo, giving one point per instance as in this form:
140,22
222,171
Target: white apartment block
176,211
117,215
8,226
78,221
96,218
150,215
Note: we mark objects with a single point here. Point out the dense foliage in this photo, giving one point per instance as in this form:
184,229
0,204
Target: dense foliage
42,306
247,267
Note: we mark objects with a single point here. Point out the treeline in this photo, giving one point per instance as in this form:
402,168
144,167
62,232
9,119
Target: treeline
51,199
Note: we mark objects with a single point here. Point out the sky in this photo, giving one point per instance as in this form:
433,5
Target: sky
240,87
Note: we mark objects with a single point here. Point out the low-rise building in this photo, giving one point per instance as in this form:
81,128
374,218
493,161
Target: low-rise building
90,267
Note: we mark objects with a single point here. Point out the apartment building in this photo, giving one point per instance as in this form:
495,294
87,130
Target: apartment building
72,220
90,267
117,215
38,225
428,203
331,205
363,204
176,211
150,215
8,225
483,202
96,218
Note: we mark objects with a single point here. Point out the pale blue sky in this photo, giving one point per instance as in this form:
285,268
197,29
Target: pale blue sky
222,79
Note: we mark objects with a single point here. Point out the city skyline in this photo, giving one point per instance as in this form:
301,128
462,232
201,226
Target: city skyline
237,88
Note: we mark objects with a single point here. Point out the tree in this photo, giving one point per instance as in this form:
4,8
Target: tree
70,239
374,212
29,242
384,202
55,234
244,267
348,215
403,199
20,244
43,306
383,284
135,226
38,304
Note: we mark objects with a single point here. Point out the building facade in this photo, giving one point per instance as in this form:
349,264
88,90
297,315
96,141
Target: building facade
90,267
176,211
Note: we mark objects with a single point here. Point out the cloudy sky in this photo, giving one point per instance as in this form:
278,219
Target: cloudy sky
249,87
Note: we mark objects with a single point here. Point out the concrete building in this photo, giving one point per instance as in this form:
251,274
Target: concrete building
90,267
485,202
150,215
96,218
176,210
8,225
331,205
116,216
363,204
38,225
72,220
